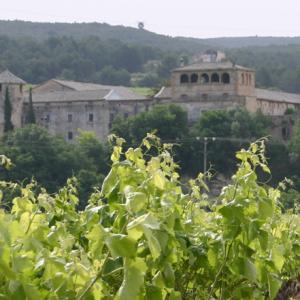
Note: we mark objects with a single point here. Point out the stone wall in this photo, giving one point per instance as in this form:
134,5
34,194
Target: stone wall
66,118
16,99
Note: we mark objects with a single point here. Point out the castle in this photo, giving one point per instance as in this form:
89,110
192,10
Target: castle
211,83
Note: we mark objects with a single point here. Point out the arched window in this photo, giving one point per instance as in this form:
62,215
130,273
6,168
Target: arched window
184,78
194,78
225,78
243,78
215,77
204,78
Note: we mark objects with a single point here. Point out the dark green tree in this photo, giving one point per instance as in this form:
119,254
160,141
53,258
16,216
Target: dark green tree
30,118
232,130
8,125
170,122
49,159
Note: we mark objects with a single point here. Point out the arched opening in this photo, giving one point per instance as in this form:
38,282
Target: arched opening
194,78
204,78
225,78
215,77
184,78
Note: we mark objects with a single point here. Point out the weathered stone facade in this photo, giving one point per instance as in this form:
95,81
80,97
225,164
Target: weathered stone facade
64,107
14,85
220,84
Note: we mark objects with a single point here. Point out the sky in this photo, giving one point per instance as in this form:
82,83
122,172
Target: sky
192,18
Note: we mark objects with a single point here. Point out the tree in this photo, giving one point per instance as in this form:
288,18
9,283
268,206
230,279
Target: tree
169,121
168,63
150,80
110,75
30,118
49,159
36,153
237,126
8,125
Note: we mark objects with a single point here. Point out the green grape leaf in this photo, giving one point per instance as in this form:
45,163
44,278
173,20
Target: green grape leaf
136,201
132,286
121,245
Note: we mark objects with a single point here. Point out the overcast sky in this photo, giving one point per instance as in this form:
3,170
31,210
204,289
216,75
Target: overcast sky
196,18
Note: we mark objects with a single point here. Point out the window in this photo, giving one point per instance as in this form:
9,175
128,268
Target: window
70,118
194,78
243,79
204,78
250,79
184,78
70,135
215,78
184,96
126,115
21,88
0,87
91,117
47,118
204,96
225,78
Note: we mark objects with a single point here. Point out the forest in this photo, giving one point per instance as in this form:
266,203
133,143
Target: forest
114,62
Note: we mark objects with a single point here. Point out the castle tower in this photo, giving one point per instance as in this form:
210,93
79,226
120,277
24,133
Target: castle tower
15,87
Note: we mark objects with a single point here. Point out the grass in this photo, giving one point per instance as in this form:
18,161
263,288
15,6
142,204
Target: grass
144,91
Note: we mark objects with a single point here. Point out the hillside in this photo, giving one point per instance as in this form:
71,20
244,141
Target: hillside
42,31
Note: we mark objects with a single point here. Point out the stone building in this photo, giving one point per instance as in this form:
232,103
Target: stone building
64,107
15,87
220,84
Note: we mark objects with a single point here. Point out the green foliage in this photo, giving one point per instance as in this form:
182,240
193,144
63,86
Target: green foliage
141,237
88,59
238,125
169,121
294,145
30,117
290,199
276,67
150,80
51,160
8,125
109,75
168,63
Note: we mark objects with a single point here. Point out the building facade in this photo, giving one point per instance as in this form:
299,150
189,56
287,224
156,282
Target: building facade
64,107
216,83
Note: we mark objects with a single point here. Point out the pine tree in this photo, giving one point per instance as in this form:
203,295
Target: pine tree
7,112
30,119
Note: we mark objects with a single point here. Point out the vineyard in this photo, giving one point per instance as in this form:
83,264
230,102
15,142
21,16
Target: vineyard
143,237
